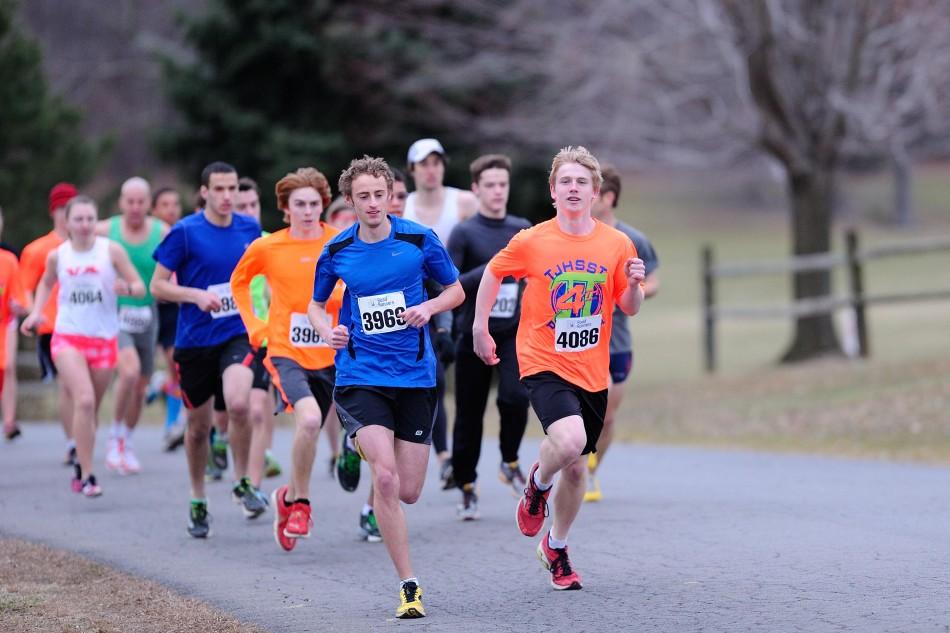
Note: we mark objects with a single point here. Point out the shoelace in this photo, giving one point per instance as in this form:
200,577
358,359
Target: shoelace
561,563
535,499
409,590
199,511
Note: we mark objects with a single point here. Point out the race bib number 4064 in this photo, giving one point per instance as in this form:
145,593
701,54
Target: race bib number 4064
380,314
228,304
577,334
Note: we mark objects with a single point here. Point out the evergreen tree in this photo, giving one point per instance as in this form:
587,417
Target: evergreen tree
40,139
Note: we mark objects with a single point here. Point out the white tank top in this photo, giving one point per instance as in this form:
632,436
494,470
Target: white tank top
87,299
447,219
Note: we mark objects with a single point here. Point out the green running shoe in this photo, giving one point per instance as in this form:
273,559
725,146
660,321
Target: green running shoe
348,467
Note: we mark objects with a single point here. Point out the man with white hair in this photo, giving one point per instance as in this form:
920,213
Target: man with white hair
139,234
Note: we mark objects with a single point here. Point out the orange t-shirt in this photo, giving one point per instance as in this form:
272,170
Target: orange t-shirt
32,267
289,265
573,282
10,290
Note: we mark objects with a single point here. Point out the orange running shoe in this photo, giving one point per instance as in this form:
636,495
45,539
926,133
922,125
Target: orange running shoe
556,561
281,514
533,507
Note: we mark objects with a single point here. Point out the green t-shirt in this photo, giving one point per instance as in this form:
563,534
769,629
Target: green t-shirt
260,293
141,256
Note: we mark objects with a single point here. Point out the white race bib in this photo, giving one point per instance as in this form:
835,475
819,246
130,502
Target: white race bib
577,334
505,302
228,304
135,319
380,314
85,294
302,333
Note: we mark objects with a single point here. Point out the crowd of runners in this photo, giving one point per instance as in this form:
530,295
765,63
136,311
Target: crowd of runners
348,319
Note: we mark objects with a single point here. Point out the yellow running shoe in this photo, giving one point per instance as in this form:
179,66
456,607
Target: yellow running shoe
593,485
410,601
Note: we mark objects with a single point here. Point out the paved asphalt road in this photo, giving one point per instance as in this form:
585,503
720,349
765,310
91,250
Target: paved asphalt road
685,540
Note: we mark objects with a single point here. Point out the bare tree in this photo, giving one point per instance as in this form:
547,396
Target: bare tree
807,82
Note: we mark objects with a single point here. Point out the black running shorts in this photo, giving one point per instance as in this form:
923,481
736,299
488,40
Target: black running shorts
408,412
553,398
200,370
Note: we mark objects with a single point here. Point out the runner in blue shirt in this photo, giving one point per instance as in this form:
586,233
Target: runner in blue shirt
385,381
211,346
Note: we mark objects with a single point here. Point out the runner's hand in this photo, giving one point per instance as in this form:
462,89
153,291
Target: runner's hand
417,316
208,301
30,323
485,348
122,288
635,270
339,337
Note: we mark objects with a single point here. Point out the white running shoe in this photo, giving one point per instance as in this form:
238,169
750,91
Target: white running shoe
114,456
130,462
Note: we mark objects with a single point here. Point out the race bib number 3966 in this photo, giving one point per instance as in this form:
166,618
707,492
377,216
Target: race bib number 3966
577,334
302,333
380,314
228,304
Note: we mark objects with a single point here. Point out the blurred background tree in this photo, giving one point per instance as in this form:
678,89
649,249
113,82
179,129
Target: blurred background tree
40,138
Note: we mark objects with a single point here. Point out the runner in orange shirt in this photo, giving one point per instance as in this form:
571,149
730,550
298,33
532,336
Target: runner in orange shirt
299,361
32,267
13,303
576,269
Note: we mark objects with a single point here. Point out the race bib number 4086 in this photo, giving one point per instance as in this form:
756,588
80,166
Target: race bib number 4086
228,304
577,334
380,314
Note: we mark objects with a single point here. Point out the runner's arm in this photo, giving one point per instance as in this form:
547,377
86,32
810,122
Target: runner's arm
484,300
337,336
43,290
249,266
632,297
102,228
130,282
451,296
164,289
467,204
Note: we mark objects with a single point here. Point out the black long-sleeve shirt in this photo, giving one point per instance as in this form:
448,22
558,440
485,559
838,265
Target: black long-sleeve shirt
471,245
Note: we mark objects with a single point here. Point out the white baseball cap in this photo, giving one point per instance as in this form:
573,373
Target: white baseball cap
422,148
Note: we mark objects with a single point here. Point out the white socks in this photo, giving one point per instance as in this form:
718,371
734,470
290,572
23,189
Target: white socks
367,508
537,481
554,543
119,430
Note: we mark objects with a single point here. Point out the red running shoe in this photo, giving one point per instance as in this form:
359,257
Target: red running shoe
533,507
281,514
299,522
557,562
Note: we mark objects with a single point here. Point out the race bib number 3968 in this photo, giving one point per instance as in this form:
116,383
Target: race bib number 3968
577,334
380,314
228,304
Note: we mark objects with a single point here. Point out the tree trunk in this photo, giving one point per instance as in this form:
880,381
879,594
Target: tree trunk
812,198
903,205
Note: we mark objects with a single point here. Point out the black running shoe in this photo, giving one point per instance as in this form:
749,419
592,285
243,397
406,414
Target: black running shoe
199,521
252,501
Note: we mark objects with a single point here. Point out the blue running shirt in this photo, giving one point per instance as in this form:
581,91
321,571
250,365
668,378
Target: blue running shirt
203,256
382,280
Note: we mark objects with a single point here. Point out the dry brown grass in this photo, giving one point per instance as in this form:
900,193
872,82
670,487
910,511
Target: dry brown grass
48,591
875,409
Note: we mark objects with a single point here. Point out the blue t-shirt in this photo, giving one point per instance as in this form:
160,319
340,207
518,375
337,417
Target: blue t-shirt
203,255
382,279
